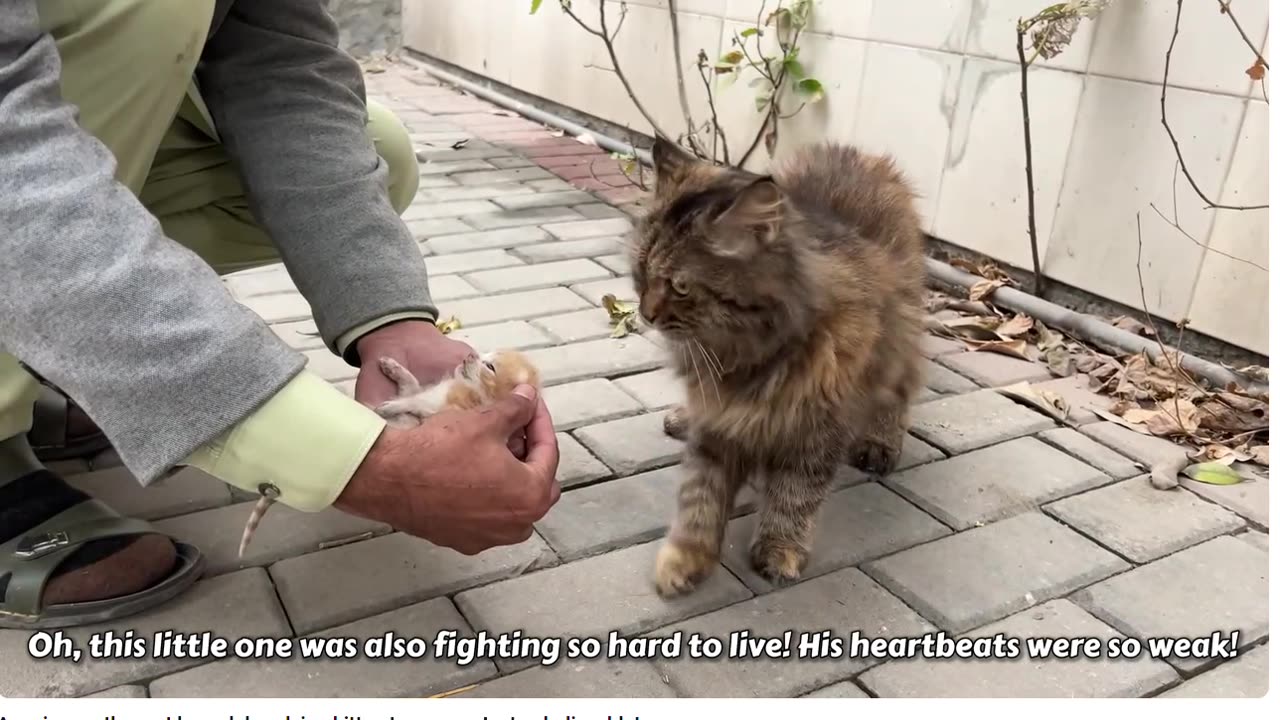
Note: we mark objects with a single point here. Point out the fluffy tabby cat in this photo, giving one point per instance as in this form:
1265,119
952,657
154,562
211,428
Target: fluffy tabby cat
792,307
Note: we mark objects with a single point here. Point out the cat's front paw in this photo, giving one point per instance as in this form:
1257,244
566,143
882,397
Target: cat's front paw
680,568
877,457
676,423
778,562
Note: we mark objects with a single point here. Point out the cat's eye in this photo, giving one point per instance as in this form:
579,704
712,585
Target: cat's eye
680,286
489,365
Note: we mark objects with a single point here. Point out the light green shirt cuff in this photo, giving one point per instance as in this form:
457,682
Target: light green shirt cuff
307,441
346,339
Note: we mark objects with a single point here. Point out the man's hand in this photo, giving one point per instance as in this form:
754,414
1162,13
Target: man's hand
453,481
423,350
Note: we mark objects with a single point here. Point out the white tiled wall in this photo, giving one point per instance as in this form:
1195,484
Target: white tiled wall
935,83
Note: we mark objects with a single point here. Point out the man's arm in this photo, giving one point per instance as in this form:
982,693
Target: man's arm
290,108
95,298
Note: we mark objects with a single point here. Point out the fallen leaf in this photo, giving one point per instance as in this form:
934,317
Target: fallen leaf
967,330
1128,324
1015,326
1262,454
1213,474
1221,454
587,139
965,265
1109,417
1174,417
1048,402
1060,362
1012,348
982,289
623,316
448,326
503,113
1257,70
460,144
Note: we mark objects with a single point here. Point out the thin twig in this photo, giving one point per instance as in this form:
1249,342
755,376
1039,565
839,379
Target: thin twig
1175,367
1226,10
1164,120
719,141
1031,184
680,85
1188,236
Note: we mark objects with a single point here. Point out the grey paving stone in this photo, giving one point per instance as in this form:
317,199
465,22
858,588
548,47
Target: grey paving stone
187,491
361,677
947,382
452,287
538,200
300,335
577,465
924,395
574,405
1249,499
1220,585
284,532
655,390
995,482
992,370
841,690
842,602
569,249
328,366
424,229
502,176
470,262
932,346
264,283
975,420
496,192
232,606
511,335
1146,449
547,274
917,452
1256,539
122,692
578,679
863,522
1024,676
474,150
434,181
452,209
1100,456
589,229
346,583
579,325
599,211
595,596
510,162
517,218
623,288
1081,401
1141,523
614,514
279,308
550,185
511,306
462,167
1243,677
632,444
487,240
974,577
619,263
596,358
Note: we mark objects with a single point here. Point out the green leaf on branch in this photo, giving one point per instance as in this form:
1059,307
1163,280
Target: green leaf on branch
763,101
534,8
811,90
729,62
793,68
749,32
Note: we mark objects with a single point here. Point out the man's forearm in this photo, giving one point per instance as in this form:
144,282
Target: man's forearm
95,298
290,108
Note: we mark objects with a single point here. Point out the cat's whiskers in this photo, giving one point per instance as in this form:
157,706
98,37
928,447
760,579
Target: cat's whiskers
715,379
693,360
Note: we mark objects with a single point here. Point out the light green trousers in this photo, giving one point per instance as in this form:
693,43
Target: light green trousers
118,68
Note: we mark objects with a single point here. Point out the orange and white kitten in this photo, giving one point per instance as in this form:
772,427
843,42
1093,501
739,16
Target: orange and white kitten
480,381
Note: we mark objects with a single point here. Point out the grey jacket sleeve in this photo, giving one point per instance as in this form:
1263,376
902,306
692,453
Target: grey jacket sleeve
95,298
290,108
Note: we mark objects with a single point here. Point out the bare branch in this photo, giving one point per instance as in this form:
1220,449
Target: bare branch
680,84
718,139
1164,120
1188,236
1226,10
1026,141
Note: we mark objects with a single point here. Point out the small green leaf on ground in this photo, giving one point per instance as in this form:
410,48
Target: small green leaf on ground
448,326
623,316
1213,474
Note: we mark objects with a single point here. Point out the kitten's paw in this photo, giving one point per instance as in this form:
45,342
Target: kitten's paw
676,423
778,562
398,374
876,456
679,569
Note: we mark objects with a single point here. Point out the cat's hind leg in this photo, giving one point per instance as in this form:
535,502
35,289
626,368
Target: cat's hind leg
788,521
881,426
405,382
692,548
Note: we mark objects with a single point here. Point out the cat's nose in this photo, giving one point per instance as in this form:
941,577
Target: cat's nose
649,309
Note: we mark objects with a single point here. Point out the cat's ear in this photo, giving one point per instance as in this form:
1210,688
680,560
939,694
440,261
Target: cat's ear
752,223
670,162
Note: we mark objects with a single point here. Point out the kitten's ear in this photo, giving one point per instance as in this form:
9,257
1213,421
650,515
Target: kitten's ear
752,223
670,162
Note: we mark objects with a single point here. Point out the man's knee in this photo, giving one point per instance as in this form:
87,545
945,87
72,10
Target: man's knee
391,139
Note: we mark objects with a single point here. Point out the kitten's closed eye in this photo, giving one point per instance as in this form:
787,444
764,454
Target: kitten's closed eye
489,364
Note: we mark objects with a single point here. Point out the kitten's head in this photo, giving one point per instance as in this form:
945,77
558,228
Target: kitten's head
717,257
503,371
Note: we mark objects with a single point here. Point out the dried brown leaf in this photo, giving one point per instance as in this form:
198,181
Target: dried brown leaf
1221,454
1262,454
1174,417
965,265
1015,326
1048,402
1257,70
1061,363
1109,417
1128,324
983,289
1012,348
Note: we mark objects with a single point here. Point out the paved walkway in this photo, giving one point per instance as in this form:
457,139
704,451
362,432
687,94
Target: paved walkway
1001,521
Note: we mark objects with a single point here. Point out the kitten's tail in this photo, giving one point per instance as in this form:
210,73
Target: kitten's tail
255,518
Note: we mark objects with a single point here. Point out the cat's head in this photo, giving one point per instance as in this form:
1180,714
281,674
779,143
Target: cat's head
501,372
717,257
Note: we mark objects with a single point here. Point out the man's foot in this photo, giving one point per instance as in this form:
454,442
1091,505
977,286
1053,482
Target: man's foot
61,430
89,564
